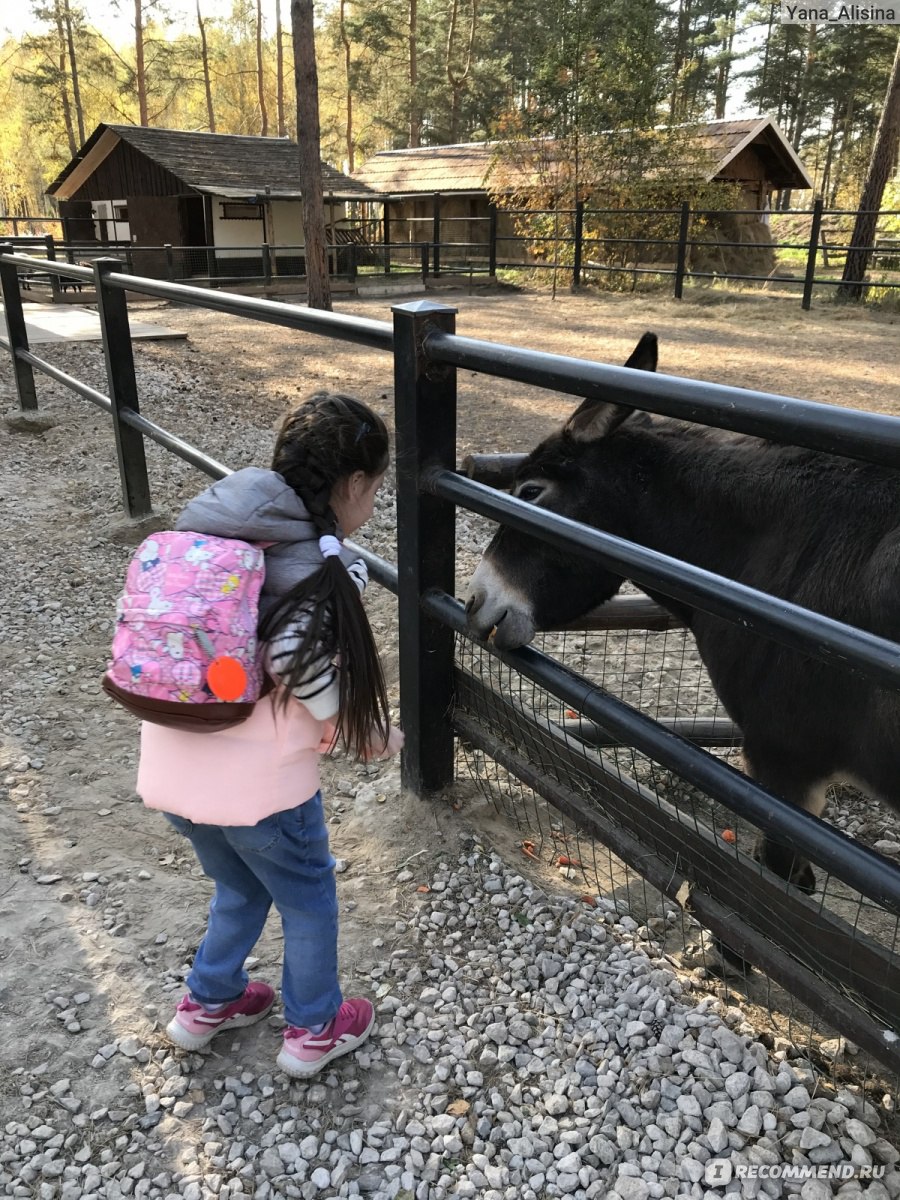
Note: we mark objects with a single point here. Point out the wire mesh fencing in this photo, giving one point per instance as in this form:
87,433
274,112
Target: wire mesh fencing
635,839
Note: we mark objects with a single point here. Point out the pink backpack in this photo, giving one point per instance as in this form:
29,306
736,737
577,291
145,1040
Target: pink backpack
185,651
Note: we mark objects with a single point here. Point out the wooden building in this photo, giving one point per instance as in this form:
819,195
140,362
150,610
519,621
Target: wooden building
153,187
450,183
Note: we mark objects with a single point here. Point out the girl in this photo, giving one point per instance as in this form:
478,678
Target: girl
234,794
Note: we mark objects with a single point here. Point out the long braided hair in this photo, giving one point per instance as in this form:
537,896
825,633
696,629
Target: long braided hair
327,438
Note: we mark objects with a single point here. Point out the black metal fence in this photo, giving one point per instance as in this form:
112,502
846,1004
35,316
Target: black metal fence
797,251
262,264
800,249
848,975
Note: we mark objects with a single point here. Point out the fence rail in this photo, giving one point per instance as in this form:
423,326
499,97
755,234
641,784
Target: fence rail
583,243
841,973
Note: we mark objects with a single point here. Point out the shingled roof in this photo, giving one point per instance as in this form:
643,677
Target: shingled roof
466,167
220,164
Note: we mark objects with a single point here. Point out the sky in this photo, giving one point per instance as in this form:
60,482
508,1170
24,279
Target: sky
116,21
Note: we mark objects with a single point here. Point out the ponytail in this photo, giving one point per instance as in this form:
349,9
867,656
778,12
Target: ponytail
328,437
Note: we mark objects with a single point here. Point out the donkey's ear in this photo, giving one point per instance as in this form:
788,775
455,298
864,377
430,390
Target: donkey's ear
645,355
595,419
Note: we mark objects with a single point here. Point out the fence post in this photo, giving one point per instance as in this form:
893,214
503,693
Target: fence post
112,307
266,264
579,237
425,251
351,262
492,240
425,423
170,262
813,252
54,279
436,235
18,332
681,259
67,239
386,229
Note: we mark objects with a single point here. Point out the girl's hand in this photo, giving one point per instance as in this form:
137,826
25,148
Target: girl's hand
329,736
379,750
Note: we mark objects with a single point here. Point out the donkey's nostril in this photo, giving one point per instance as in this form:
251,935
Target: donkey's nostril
474,602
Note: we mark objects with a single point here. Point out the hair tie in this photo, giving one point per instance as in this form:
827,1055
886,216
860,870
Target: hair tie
329,545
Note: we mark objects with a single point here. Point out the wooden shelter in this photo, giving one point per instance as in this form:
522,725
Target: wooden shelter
449,184
151,187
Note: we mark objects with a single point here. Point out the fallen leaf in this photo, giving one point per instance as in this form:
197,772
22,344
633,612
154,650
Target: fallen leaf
458,1107
423,887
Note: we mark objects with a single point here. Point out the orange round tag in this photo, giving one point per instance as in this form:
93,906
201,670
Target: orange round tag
227,678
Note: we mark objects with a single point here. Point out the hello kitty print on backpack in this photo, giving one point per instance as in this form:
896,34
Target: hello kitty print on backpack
185,651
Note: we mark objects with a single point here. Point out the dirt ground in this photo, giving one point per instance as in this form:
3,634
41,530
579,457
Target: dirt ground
67,761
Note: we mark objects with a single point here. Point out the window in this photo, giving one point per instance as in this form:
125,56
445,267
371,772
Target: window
241,212
121,211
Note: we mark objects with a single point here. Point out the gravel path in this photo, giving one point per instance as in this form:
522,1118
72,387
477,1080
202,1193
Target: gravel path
526,1046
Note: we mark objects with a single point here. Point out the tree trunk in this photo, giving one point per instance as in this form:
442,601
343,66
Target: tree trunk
681,50
764,73
884,155
826,169
458,81
73,68
803,90
279,70
139,61
349,94
846,127
260,82
415,123
308,138
724,72
204,52
64,80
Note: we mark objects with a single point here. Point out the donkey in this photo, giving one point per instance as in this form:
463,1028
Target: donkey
816,529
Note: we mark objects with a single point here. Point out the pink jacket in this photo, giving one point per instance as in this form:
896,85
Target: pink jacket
269,763
239,775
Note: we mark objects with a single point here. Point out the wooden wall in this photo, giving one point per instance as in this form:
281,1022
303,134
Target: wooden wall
124,173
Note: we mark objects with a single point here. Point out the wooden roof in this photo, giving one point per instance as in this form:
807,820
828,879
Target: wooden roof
220,164
466,167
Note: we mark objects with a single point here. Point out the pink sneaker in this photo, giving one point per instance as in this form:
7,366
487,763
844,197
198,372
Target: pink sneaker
305,1053
192,1027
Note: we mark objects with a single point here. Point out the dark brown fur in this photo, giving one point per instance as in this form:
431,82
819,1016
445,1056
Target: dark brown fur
816,529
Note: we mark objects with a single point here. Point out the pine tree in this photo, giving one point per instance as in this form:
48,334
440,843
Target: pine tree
308,140
884,156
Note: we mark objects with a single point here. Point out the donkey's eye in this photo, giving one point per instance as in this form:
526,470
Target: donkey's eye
531,491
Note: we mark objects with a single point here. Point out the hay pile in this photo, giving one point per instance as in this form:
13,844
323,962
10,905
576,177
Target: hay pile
712,251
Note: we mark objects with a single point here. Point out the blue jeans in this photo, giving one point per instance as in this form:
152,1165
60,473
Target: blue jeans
283,860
